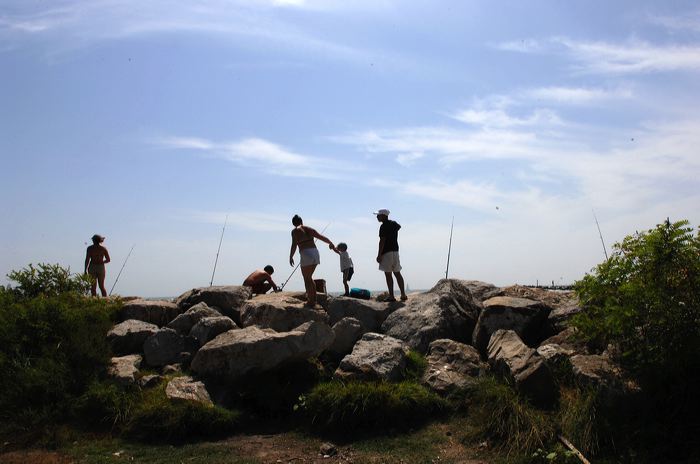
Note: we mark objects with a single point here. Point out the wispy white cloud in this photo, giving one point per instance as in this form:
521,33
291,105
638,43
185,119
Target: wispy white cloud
688,22
633,56
263,155
500,118
576,95
409,159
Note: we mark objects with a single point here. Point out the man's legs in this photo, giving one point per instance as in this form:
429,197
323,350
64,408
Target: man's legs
261,288
390,284
308,273
399,280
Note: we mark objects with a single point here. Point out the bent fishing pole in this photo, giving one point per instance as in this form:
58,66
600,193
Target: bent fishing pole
449,249
297,267
120,270
217,251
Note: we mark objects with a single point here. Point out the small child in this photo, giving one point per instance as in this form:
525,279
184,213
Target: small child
345,265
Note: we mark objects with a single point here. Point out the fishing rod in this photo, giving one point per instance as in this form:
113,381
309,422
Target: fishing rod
297,267
601,235
449,249
217,251
120,270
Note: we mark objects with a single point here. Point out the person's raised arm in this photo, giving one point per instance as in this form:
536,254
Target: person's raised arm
292,250
322,238
106,257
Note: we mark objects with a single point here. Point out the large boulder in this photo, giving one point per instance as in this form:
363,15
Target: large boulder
445,311
209,328
184,322
280,312
569,340
451,366
527,318
595,371
371,314
521,365
128,337
375,357
187,389
123,369
228,299
167,347
481,291
252,349
156,312
347,331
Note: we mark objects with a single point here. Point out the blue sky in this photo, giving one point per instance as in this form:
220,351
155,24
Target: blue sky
149,122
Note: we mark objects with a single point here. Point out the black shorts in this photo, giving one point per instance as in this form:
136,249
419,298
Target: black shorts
350,271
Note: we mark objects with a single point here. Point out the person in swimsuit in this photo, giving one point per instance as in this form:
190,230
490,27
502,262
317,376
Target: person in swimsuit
96,257
303,237
261,281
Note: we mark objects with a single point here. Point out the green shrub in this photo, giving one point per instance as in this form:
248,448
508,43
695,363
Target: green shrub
351,405
415,366
558,455
106,404
157,419
499,415
645,299
48,280
51,349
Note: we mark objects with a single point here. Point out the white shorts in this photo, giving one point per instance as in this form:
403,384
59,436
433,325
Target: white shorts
390,262
309,257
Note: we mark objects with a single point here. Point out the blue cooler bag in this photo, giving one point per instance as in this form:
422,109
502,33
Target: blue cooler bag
359,293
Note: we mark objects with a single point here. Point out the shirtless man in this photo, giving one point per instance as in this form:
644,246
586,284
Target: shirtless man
95,259
261,281
303,237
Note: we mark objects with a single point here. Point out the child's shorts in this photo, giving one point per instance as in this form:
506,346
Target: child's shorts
347,273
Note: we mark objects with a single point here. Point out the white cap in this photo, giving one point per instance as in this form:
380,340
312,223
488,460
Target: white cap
385,212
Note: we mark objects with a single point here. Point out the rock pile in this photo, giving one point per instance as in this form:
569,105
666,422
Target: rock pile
464,328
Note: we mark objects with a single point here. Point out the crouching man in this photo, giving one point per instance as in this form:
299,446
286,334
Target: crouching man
261,281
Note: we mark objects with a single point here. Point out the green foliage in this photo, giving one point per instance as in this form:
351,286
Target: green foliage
106,404
585,419
350,405
157,419
48,280
415,366
645,299
51,349
497,414
556,456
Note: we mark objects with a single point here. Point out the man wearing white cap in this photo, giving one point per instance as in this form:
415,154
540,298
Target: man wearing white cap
388,255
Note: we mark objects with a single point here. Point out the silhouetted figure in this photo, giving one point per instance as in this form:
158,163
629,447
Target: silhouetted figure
96,257
388,254
303,237
346,266
261,280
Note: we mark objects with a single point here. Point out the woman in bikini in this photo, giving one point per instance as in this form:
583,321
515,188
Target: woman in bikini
303,237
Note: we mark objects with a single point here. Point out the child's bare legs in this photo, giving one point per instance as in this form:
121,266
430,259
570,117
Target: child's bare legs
345,283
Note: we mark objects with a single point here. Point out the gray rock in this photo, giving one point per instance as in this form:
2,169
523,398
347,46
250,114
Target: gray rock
280,312
155,312
371,314
520,364
559,317
187,389
183,323
374,357
171,369
526,317
209,327
149,381
567,339
252,349
347,331
451,366
123,369
128,337
554,354
595,371
228,299
167,347
481,291
445,311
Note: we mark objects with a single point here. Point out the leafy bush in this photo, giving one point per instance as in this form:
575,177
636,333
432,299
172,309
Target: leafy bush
645,299
106,404
498,414
48,280
157,419
340,405
51,349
